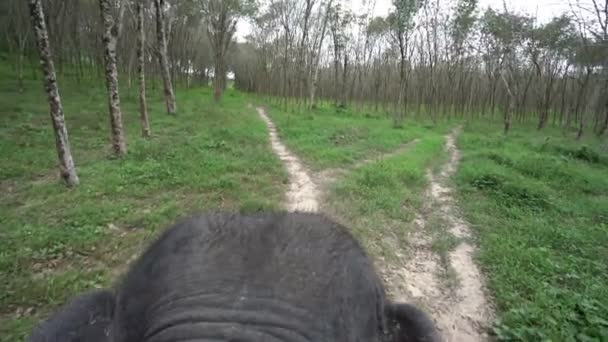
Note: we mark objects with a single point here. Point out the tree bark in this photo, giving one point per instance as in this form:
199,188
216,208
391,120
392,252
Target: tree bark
218,77
510,105
66,163
109,39
162,56
141,64
316,58
604,128
343,92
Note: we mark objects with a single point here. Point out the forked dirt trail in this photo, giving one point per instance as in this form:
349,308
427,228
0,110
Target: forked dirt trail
460,307
303,194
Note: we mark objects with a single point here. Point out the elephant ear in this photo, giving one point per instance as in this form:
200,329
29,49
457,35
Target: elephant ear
407,323
86,317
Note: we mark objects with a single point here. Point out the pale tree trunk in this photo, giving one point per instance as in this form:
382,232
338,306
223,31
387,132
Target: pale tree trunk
510,106
343,87
141,64
218,77
316,59
604,128
22,45
62,143
162,56
109,38
313,87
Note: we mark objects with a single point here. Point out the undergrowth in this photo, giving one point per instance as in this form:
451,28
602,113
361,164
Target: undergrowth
538,203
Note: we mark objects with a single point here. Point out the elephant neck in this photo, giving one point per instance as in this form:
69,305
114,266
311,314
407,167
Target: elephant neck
224,318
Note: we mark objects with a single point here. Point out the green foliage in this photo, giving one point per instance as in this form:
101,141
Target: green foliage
539,208
377,27
463,21
56,242
505,30
402,18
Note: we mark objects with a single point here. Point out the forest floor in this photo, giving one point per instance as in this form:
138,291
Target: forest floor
459,306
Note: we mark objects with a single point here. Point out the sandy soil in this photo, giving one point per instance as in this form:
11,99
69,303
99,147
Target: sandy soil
460,308
303,194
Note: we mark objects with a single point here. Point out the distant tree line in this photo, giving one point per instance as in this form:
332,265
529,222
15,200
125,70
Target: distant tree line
434,58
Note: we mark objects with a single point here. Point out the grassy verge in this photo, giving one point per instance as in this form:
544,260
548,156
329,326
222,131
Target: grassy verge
539,207
55,242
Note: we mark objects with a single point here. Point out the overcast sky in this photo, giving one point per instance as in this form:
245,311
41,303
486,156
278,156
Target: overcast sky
543,9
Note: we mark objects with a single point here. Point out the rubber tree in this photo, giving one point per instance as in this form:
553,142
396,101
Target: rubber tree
505,32
112,24
62,143
546,48
316,56
222,17
163,59
141,69
401,22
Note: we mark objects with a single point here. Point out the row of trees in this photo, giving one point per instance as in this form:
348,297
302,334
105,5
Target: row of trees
91,38
434,57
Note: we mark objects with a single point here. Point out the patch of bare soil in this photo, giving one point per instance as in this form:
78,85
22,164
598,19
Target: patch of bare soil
303,194
460,308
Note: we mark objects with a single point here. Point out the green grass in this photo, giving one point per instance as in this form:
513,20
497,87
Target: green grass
56,242
377,200
329,137
380,200
538,203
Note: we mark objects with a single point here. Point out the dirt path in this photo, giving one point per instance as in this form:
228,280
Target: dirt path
453,293
307,189
303,194
459,307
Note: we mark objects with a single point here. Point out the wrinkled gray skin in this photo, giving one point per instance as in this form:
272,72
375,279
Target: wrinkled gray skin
225,277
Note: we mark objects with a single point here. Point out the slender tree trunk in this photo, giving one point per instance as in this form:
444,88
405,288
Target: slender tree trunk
109,38
162,56
66,163
400,112
141,64
604,127
20,66
316,58
343,93
581,128
510,105
313,87
218,78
